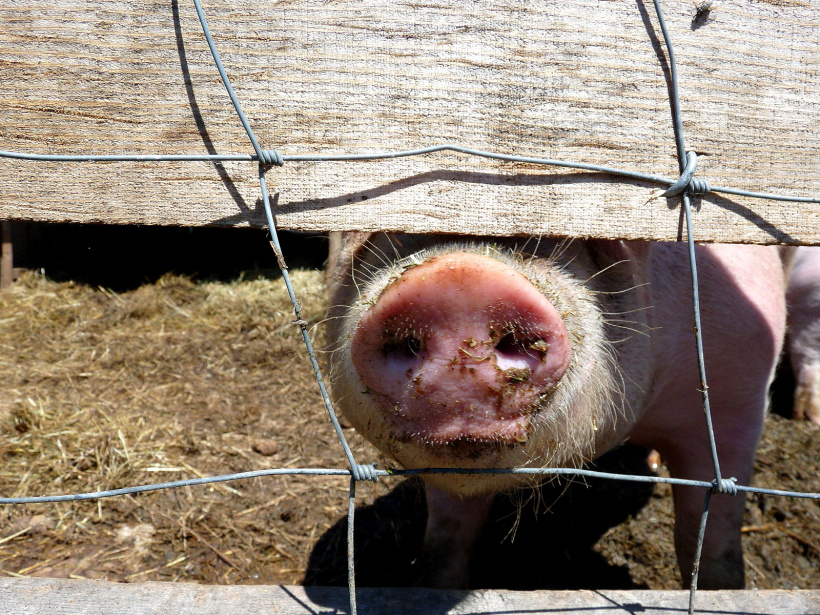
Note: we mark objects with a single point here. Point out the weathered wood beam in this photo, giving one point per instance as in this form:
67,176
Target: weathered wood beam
76,597
584,80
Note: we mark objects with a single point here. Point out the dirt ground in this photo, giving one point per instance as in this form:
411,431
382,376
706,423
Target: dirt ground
181,378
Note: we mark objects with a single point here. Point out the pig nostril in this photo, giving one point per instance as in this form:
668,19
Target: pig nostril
514,352
508,345
412,345
511,344
406,348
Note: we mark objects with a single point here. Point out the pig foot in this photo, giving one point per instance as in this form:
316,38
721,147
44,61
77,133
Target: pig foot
807,394
721,561
453,526
653,460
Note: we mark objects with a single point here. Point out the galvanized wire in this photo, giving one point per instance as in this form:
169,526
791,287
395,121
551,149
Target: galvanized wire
685,185
223,478
687,164
274,157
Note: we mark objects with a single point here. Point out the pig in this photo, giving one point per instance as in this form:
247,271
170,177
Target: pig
803,300
488,352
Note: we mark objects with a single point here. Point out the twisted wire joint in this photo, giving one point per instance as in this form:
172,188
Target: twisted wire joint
725,485
687,180
270,157
365,472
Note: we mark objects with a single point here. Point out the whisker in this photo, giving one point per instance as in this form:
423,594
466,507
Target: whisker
605,269
378,253
640,309
620,292
644,333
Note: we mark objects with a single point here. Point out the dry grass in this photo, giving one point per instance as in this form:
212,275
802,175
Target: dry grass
172,380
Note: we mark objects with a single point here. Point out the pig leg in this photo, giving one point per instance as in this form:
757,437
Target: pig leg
737,419
721,564
803,298
807,391
743,320
453,526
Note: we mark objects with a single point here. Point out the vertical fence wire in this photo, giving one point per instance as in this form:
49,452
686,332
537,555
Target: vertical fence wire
674,101
356,473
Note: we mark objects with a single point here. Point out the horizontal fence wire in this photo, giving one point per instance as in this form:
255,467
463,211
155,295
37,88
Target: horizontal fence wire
376,474
684,186
273,157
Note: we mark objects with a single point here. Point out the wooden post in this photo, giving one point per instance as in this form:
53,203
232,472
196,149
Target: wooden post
6,261
37,595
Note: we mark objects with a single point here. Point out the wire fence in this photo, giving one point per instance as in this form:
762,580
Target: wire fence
684,186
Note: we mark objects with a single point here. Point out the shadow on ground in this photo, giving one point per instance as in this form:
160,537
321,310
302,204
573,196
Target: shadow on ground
550,547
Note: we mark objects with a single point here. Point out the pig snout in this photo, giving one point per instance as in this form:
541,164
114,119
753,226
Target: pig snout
461,347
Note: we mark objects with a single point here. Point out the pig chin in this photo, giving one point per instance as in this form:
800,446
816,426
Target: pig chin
565,429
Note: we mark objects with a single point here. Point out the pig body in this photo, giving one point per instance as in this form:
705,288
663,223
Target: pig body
504,353
803,299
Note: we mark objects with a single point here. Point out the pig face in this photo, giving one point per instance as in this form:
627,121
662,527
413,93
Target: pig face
454,353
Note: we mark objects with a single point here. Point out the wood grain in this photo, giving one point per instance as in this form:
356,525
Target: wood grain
585,80
29,596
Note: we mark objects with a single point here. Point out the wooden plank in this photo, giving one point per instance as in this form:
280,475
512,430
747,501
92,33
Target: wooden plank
75,597
584,80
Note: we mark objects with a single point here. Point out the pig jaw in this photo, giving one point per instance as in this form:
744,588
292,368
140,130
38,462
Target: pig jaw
562,416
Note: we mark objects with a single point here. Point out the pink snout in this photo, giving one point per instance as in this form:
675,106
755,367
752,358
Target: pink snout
461,347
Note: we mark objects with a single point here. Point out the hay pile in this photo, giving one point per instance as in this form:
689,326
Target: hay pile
172,380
